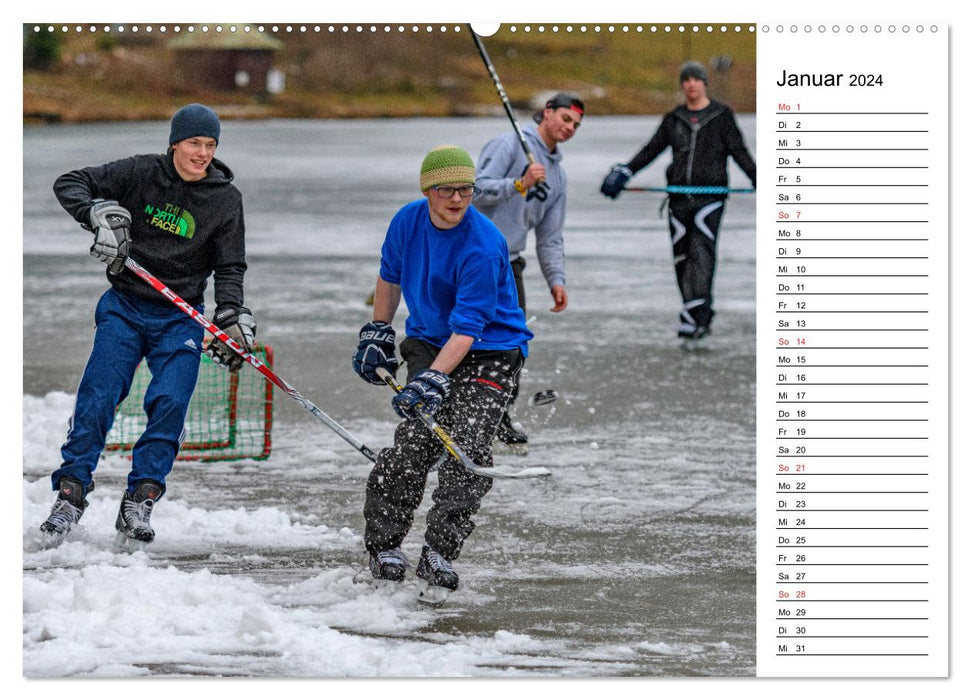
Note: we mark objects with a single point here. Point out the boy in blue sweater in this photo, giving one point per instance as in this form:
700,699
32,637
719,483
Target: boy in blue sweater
466,344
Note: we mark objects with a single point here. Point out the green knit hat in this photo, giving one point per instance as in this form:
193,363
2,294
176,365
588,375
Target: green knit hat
446,164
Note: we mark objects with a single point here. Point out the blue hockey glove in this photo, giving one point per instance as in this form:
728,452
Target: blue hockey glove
425,393
375,349
615,181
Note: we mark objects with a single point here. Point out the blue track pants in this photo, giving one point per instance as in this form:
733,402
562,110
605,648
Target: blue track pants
128,330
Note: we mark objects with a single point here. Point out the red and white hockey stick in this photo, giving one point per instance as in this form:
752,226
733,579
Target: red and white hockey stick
248,357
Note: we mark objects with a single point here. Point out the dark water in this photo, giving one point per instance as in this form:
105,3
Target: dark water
637,557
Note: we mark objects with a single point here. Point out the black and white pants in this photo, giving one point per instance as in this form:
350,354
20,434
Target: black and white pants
694,224
481,387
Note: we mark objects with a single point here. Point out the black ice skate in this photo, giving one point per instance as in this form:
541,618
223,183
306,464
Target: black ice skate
388,565
65,513
439,578
132,524
512,436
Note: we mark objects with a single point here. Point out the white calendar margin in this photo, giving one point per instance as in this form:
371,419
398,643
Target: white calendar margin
905,55
828,11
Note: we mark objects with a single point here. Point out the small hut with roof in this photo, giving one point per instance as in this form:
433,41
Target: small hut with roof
227,60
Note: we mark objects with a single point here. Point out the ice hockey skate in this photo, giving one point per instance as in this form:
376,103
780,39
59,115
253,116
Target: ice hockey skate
389,565
438,578
65,513
511,438
134,515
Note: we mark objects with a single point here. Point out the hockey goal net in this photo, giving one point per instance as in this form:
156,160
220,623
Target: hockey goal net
230,416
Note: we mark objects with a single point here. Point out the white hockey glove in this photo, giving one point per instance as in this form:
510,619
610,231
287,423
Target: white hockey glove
112,243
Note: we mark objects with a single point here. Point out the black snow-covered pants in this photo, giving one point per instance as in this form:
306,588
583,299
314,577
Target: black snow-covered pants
481,387
694,223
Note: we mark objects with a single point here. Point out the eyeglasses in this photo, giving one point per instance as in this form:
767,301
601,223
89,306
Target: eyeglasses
465,191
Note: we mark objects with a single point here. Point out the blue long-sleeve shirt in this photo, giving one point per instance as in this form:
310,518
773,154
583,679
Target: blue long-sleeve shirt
456,280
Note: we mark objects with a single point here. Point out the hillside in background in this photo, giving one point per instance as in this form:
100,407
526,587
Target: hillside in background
86,75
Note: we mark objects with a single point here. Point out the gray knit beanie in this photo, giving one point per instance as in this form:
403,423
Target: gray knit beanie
693,69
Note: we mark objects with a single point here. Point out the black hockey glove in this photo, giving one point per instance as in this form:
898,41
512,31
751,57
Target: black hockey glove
540,190
110,223
238,324
375,348
424,393
615,181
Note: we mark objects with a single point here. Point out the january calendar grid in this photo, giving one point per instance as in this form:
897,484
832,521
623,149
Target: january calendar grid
853,461
852,235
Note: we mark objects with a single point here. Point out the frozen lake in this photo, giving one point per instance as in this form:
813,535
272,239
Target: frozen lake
637,558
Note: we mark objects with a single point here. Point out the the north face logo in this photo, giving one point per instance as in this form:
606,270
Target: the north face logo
171,219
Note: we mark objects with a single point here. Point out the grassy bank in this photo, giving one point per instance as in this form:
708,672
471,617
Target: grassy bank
98,76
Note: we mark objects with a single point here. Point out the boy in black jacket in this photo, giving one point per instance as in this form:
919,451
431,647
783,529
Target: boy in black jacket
180,216
702,133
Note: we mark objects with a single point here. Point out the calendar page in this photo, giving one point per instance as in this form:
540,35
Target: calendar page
853,229
680,387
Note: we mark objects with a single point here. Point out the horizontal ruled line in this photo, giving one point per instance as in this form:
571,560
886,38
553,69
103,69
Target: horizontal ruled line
880,149
854,583
852,221
850,330
800,492
852,167
849,311
852,546
874,600
801,238
852,528
874,402
850,636
850,204
847,184
856,114
852,294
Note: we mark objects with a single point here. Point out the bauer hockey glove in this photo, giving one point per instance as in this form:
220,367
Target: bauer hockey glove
238,324
615,181
375,348
112,242
425,392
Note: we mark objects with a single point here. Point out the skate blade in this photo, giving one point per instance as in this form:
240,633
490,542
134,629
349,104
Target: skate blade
516,450
50,540
129,544
432,595
505,472
694,345
367,578
363,576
